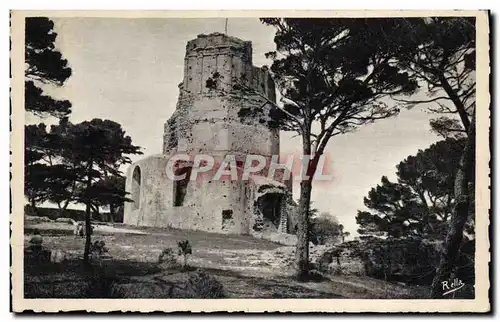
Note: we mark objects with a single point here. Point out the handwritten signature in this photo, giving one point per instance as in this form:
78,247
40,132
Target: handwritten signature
452,286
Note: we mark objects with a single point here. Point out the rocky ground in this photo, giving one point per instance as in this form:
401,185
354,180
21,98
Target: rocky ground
245,266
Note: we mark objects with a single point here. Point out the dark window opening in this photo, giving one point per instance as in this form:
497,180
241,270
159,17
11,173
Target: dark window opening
136,188
227,214
180,186
227,218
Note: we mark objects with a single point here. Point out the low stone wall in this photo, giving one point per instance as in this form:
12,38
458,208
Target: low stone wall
279,238
341,261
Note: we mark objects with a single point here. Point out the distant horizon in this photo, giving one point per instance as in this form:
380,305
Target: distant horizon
128,70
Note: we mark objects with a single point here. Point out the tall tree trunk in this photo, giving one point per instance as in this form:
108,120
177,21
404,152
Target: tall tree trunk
302,251
87,236
61,210
459,213
388,258
88,227
65,206
111,213
302,248
33,206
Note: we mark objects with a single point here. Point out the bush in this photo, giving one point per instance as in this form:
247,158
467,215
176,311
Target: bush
98,247
408,260
185,249
205,286
178,285
97,250
167,258
35,255
100,285
29,211
325,229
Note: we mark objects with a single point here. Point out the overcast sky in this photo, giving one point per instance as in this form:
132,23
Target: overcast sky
127,70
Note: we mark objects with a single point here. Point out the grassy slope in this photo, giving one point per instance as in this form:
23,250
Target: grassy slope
245,265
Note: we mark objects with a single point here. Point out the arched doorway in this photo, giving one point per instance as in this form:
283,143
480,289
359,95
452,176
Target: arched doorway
270,207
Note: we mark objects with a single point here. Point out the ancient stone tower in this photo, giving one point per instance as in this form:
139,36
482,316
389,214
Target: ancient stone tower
223,108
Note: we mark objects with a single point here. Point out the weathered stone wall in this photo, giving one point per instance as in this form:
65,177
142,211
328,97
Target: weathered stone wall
207,54
154,192
209,205
216,114
209,119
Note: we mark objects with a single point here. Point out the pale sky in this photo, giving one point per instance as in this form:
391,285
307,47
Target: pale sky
128,70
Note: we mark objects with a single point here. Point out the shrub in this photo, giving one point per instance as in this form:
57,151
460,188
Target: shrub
101,286
97,249
29,211
167,258
404,260
325,229
408,260
35,255
185,249
205,286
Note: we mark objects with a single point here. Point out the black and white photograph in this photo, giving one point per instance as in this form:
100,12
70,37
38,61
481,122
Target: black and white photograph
259,157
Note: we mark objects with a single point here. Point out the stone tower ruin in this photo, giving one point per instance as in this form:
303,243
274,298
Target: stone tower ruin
223,109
